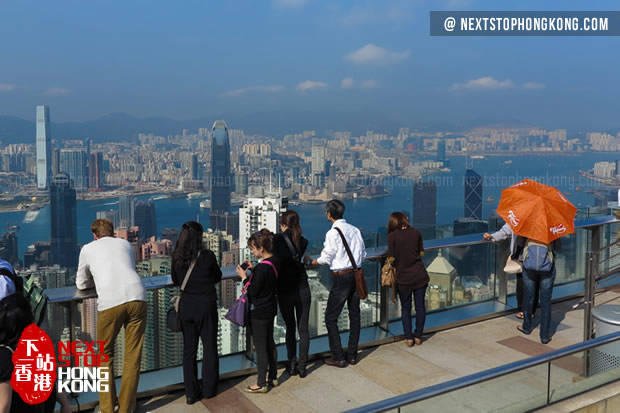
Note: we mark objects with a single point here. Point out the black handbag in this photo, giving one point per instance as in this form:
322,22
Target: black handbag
173,321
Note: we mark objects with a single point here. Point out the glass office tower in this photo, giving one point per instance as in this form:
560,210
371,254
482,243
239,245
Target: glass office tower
43,147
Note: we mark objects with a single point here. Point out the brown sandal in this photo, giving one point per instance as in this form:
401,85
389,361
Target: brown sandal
519,315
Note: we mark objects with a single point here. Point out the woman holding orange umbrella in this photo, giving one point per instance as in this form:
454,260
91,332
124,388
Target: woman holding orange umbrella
539,214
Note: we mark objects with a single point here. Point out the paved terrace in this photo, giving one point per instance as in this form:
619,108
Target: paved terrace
393,369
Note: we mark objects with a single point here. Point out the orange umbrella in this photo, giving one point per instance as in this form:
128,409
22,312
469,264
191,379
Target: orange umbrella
537,211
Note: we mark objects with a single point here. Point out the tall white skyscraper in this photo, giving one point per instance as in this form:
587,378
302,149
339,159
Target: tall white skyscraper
318,160
259,213
43,147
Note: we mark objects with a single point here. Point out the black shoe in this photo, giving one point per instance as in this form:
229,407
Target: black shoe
292,367
335,363
192,400
520,328
546,340
302,372
352,360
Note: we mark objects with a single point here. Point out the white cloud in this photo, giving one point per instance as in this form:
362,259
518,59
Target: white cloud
57,91
258,88
376,55
6,87
289,4
309,85
347,83
484,83
367,84
533,85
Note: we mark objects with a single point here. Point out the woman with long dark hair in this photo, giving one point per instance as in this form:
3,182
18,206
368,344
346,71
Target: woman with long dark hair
293,290
197,310
261,292
406,247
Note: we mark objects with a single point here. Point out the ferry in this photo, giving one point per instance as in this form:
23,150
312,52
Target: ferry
477,157
195,195
205,204
490,199
508,162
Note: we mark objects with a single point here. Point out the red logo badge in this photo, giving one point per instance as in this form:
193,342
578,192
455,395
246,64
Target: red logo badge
34,374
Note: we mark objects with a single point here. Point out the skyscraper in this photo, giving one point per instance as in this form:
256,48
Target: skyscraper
44,147
425,207
473,194
73,163
112,215
145,219
126,210
95,170
194,168
64,222
318,160
220,168
441,150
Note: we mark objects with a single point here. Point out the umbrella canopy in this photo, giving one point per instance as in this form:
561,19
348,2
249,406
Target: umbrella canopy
537,211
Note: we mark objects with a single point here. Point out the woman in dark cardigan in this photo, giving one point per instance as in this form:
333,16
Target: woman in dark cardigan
406,247
197,310
261,293
293,290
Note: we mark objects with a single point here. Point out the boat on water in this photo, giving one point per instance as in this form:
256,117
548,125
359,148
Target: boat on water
205,204
31,216
477,157
490,199
508,162
195,195
157,198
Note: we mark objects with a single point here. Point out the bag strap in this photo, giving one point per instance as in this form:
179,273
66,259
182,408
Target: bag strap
272,266
5,346
346,247
291,247
189,272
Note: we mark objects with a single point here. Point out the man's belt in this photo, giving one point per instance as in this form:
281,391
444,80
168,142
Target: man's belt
343,272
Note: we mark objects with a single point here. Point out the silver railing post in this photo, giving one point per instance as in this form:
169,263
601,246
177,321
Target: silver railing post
384,302
501,278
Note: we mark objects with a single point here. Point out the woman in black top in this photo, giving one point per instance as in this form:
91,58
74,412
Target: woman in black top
293,290
197,310
261,291
406,247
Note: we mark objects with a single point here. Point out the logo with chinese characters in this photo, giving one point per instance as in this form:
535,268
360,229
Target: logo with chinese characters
81,366
35,366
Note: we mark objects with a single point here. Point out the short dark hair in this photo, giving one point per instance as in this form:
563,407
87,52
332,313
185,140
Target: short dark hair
335,208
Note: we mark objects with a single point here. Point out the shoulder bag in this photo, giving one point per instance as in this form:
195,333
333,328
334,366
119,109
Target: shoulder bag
239,311
173,321
360,280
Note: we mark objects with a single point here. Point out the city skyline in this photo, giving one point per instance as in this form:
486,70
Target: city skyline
360,58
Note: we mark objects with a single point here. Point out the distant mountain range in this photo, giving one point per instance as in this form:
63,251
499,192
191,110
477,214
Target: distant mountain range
121,126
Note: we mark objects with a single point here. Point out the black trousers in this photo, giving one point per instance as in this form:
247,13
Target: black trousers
343,291
265,347
520,293
199,319
295,309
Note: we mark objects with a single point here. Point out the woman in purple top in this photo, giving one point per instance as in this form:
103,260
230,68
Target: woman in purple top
405,246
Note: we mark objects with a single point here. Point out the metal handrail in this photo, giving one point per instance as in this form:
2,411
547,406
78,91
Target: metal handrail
69,294
486,375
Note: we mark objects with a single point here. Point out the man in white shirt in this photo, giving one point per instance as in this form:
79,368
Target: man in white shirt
344,288
107,263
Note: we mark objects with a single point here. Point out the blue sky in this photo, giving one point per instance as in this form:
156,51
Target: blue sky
198,58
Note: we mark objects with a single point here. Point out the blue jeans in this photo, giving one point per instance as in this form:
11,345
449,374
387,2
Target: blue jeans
420,311
546,279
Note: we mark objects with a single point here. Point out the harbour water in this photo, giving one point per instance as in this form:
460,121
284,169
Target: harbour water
368,214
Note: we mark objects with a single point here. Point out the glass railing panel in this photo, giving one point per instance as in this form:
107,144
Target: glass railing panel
515,392
572,375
